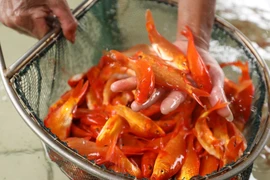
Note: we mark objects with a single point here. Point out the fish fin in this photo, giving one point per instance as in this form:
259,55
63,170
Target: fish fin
196,93
243,85
80,91
218,105
110,151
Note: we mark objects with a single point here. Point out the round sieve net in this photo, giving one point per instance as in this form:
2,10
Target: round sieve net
120,24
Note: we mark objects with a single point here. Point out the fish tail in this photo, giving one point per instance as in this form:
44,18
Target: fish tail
239,64
196,93
153,34
188,34
244,85
218,105
150,25
118,57
80,91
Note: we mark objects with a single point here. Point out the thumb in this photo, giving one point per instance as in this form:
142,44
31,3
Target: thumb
68,23
217,76
172,101
216,95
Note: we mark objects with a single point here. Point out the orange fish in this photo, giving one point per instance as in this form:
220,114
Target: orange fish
139,124
219,128
208,164
144,75
205,136
132,145
78,132
139,47
191,164
147,164
152,110
108,95
86,148
167,125
121,162
236,145
123,98
110,132
170,159
75,79
165,49
198,69
59,121
241,93
90,117
169,77
60,101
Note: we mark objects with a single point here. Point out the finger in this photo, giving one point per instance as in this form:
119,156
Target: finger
40,28
172,101
215,71
68,22
216,95
9,21
157,94
31,22
217,75
52,21
11,25
127,84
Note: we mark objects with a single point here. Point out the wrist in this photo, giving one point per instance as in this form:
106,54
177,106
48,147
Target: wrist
199,16
200,41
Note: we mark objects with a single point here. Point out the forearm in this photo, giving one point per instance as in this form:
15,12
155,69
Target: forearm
199,16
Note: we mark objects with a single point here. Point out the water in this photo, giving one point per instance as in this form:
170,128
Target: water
253,19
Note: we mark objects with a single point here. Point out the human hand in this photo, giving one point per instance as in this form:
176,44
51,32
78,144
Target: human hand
217,77
173,99
31,17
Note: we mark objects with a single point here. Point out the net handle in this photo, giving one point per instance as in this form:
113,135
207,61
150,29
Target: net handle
46,41
28,56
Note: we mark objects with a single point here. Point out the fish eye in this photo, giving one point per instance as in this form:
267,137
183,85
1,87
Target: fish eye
162,171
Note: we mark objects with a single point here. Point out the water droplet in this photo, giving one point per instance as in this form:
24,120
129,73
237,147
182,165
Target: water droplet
253,109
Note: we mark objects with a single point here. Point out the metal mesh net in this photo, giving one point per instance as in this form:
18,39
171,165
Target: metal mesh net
119,24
